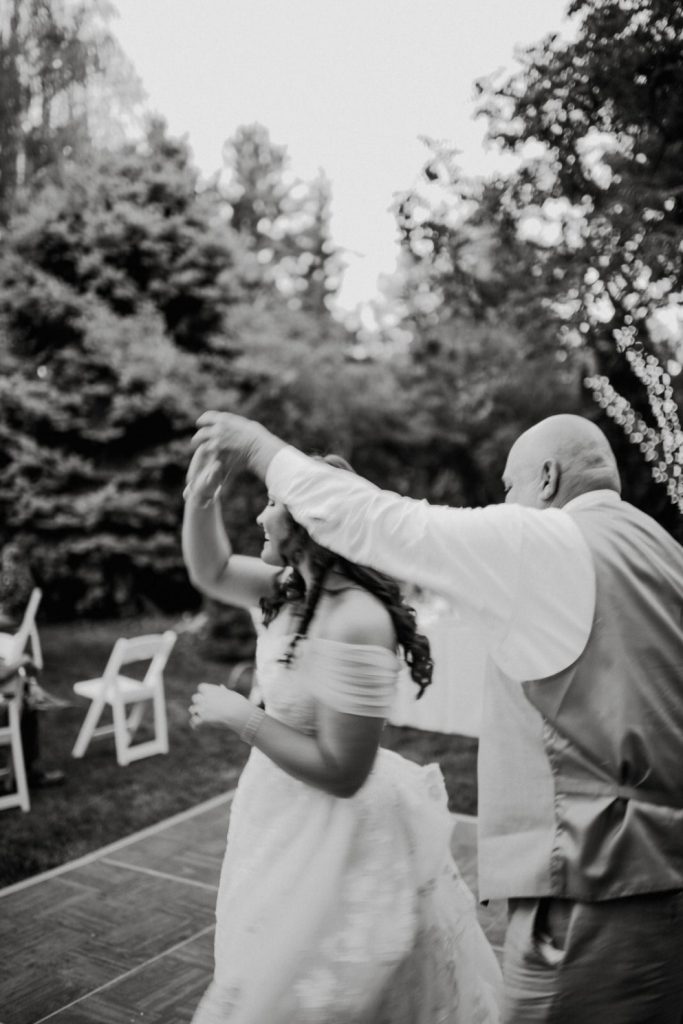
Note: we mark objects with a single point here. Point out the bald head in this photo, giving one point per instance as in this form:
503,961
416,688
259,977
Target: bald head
558,459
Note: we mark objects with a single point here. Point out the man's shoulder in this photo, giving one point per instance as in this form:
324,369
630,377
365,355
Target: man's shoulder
546,522
622,520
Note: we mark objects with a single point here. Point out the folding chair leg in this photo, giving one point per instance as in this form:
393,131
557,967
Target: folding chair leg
160,721
36,652
121,737
18,758
88,728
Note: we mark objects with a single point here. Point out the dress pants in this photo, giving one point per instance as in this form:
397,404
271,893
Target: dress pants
611,962
29,737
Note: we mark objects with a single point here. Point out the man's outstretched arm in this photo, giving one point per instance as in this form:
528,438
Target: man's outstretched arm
523,577
456,552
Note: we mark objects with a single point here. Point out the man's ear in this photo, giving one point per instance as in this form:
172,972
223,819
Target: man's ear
550,480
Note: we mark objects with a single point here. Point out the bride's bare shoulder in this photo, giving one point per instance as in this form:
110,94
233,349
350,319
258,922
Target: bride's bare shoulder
358,617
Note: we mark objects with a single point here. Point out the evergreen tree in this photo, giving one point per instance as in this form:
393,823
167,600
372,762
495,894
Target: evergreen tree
283,221
127,308
113,293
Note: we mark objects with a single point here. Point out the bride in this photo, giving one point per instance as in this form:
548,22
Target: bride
339,902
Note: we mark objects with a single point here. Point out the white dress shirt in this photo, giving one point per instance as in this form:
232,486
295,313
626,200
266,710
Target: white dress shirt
524,578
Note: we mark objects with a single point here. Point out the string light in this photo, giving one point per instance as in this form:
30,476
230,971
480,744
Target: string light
661,446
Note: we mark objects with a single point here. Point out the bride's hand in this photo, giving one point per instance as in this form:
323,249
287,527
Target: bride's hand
205,475
216,705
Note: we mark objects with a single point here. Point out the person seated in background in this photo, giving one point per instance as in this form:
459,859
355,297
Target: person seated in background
16,584
19,675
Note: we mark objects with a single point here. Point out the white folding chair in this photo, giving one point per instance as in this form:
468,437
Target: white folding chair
10,735
15,644
12,646
117,691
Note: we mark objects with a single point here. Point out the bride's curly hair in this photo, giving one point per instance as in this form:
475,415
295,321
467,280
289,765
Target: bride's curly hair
290,588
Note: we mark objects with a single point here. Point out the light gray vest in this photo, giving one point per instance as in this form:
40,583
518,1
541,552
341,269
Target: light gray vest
581,774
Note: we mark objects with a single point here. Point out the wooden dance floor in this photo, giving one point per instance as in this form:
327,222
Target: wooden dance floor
126,934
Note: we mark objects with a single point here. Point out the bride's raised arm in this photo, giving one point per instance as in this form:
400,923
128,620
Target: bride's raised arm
213,567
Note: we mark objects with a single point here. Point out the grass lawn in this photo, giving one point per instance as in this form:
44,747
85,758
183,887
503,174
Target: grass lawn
102,802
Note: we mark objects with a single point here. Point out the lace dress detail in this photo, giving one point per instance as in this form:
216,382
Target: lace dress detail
343,911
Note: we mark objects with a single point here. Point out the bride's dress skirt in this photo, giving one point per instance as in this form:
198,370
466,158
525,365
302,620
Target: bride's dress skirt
346,911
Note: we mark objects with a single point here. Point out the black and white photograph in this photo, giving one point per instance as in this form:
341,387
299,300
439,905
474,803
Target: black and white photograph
341,517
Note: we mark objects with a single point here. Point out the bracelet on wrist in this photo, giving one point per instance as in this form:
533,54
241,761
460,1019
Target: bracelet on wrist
252,725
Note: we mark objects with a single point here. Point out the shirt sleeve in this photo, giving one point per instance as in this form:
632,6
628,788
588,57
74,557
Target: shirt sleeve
522,577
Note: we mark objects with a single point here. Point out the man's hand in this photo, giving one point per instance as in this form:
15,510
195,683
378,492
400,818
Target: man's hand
233,442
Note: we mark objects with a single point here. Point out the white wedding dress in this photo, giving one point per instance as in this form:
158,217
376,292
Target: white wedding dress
343,911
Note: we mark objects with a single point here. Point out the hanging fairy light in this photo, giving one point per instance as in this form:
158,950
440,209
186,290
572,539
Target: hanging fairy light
661,446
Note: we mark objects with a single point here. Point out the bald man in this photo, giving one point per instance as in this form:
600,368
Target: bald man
580,599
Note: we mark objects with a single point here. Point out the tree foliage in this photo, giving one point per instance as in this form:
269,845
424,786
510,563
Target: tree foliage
485,362
283,221
581,243
125,310
133,295
65,84
602,115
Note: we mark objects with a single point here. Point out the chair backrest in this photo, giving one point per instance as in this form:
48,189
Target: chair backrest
28,625
153,647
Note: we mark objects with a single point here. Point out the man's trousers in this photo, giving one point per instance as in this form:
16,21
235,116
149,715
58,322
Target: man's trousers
613,962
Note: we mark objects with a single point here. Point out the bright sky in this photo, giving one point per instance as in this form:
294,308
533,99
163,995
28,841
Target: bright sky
347,85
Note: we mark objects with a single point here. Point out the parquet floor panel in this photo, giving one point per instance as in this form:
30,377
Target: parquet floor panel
93,925
96,924
126,935
164,991
192,849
